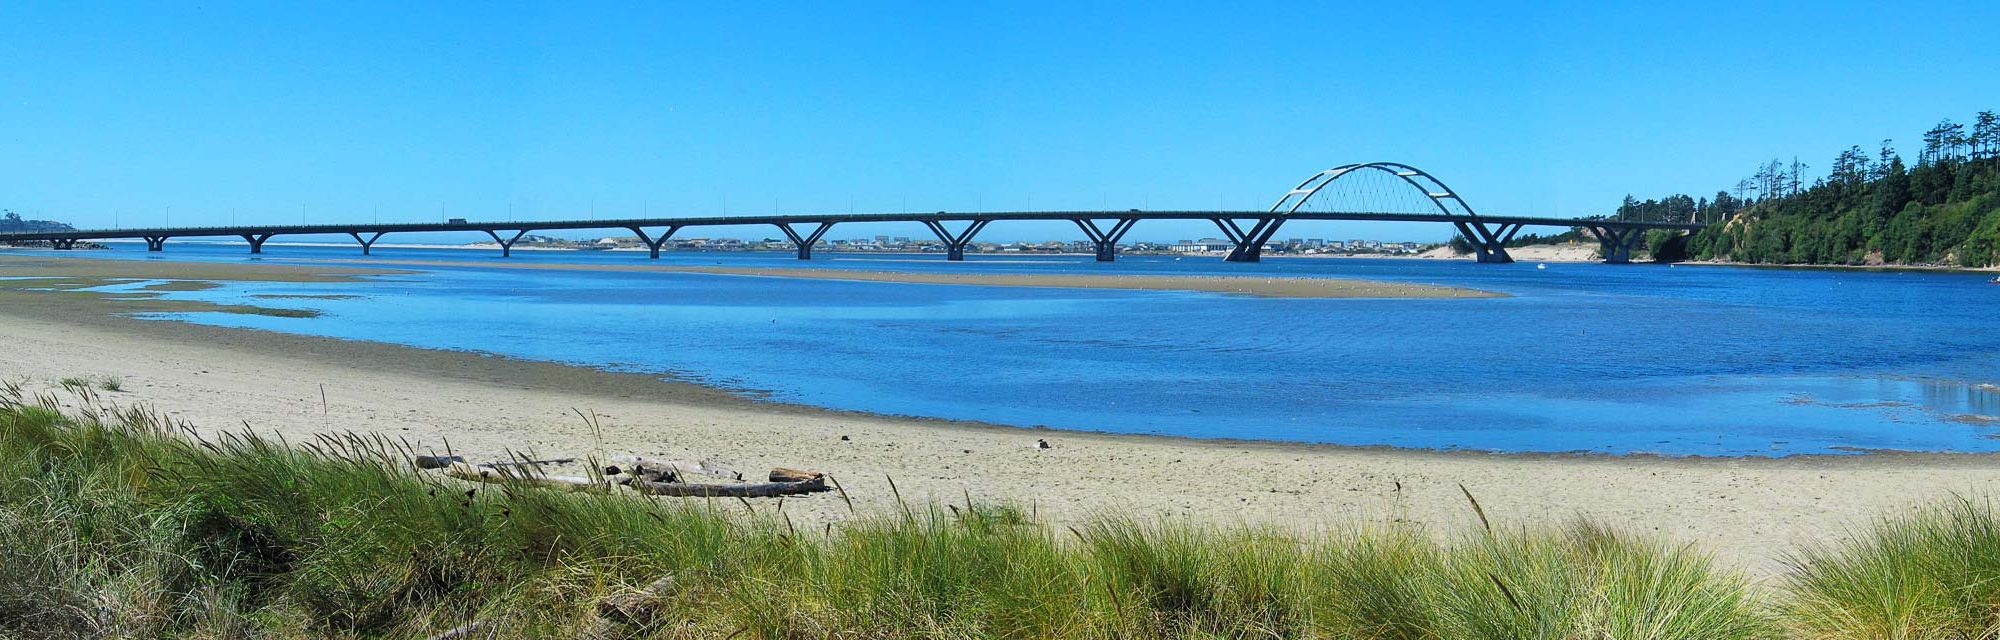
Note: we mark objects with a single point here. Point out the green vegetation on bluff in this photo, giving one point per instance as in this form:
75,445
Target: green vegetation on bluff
119,523
1868,209
11,222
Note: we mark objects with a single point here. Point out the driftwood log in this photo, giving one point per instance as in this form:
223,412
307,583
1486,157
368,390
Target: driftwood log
465,471
744,490
528,463
658,470
440,462
650,477
782,474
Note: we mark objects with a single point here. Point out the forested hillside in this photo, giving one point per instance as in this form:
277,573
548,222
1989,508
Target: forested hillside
1868,209
11,222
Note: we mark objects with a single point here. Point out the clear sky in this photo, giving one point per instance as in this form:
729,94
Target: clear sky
112,113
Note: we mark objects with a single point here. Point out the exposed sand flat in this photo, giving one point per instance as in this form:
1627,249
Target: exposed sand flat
1277,287
85,267
1745,510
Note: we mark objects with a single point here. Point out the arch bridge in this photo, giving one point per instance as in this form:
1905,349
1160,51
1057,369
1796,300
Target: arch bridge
1250,232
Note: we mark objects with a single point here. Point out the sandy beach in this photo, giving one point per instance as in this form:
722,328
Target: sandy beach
1746,511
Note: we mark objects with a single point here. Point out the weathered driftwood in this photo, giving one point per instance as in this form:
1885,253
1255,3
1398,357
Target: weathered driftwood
440,462
783,474
656,469
465,471
744,490
527,463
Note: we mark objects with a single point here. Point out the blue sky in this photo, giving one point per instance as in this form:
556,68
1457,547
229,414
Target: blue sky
112,113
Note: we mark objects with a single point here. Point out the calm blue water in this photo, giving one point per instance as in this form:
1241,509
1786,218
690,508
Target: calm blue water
1583,357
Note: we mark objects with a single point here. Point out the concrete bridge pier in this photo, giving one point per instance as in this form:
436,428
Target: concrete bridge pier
1249,242
653,244
256,241
1105,241
1616,245
954,244
506,246
156,243
1489,245
62,245
366,245
805,243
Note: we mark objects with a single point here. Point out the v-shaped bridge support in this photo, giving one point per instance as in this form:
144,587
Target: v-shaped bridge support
1616,244
1106,240
368,243
256,241
1249,242
954,244
1489,244
506,246
653,244
805,243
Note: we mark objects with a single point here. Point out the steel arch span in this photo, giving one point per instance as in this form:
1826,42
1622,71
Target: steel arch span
1489,242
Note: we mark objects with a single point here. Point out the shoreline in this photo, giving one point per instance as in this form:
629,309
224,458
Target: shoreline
1916,268
1743,509
1427,256
1264,286
1257,286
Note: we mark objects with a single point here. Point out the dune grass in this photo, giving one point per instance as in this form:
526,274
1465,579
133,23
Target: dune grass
119,522
1930,573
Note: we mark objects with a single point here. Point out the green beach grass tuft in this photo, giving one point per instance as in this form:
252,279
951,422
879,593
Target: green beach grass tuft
1933,572
121,522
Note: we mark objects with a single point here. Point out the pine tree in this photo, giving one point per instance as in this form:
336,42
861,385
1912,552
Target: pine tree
1985,136
1933,144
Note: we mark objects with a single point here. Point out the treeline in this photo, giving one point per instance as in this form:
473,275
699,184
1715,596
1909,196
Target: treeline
1868,209
11,222
1459,245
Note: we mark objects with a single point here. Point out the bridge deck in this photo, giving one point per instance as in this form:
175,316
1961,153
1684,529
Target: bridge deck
939,216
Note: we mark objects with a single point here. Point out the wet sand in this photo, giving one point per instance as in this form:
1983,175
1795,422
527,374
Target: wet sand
1747,511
